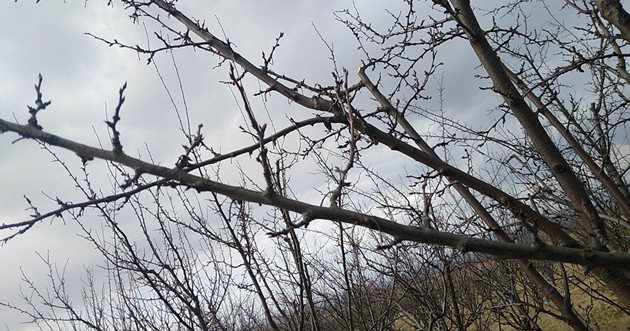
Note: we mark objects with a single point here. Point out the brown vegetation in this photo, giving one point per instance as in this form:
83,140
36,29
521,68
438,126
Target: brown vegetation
518,223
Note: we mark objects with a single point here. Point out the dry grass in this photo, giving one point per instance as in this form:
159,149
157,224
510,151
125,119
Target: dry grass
602,316
599,314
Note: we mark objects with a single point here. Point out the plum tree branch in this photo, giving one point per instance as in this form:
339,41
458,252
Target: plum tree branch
397,230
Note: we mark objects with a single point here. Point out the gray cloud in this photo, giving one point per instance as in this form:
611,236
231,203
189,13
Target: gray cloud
82,77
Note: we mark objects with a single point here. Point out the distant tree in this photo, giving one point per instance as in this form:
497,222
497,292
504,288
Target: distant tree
543,183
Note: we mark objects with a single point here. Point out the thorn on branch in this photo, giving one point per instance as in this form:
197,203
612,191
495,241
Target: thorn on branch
463,247
85,158
195,141
445,5
307,217
61,203
117,146
39,105
394,242
132,180
32,207
269,60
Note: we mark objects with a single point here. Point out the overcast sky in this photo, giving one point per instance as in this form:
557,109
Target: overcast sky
82,77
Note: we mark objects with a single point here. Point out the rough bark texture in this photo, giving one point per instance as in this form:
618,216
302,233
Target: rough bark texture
613,12
572,186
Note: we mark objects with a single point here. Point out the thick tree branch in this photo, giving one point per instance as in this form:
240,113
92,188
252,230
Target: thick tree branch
613,12
550,153
397,230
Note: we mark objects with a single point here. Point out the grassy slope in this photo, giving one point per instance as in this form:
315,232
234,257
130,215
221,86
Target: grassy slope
602,316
